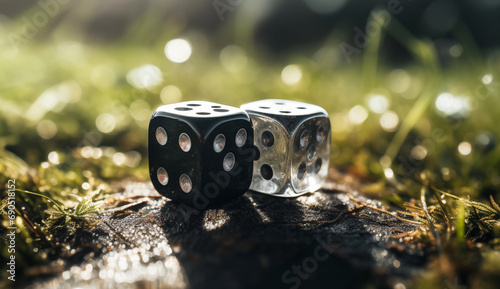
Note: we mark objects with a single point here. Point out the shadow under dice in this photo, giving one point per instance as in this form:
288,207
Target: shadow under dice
200,152
294,143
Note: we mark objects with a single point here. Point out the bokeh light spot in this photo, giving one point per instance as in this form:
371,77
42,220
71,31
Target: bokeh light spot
464,148
171,94
389,173
449,105
178,50
85,186
146,76
53,158
291,74
418,152
119,159
358,114
105,122
399,80
487,79
46,129
389,121
456,50
378,103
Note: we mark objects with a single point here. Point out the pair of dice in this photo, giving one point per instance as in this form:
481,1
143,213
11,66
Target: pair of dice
203,153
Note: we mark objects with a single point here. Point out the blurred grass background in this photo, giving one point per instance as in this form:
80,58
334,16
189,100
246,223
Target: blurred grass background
79,81
89,75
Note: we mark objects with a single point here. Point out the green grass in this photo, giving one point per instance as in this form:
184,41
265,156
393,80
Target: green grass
87,81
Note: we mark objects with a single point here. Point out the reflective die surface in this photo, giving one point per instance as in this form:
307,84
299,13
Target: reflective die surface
200,153
294,143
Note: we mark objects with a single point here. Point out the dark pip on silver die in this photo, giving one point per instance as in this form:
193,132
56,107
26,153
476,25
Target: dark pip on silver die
293,139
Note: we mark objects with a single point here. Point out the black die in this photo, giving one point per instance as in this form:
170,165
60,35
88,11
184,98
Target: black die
294,143
200,153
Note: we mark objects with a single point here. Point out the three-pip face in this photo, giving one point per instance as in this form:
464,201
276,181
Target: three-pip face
294,143
200,152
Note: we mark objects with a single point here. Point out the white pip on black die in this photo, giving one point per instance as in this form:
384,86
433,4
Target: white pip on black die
200,153
293,139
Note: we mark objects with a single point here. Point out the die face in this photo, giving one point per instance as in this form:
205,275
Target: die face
199,109
227,160
271,170
299,160
203,116
197,176
287,112
174,158
310,147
